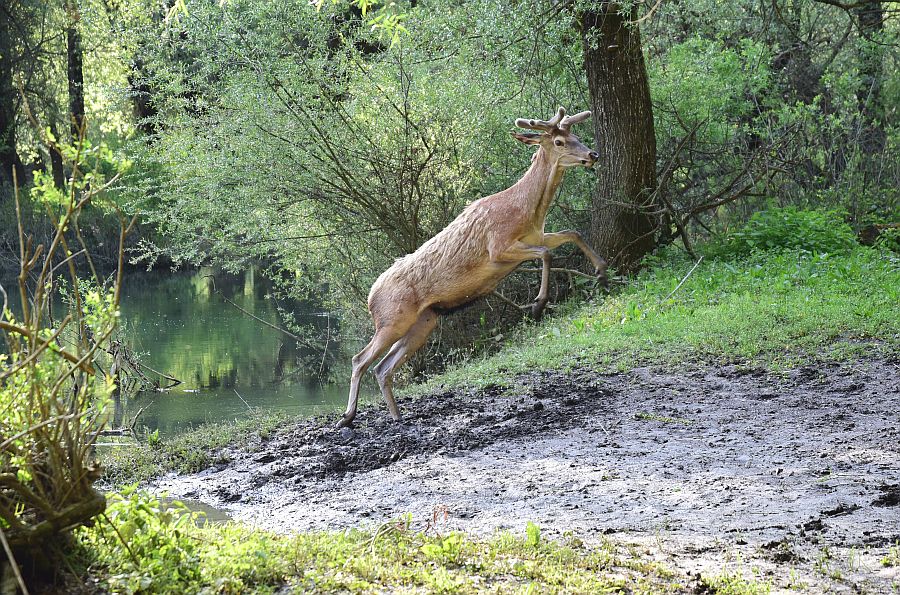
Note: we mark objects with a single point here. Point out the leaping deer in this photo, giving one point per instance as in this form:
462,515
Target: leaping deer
467,260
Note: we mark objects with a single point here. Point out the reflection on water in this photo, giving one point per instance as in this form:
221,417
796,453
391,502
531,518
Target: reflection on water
179,324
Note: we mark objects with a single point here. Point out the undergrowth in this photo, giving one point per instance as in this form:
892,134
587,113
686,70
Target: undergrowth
170,551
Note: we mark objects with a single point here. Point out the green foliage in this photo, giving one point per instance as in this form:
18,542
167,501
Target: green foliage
52,391
153,547
789,228
889,239
145,544
733,583
892,558
532,534
707,84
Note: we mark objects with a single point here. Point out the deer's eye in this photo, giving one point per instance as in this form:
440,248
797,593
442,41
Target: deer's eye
558,143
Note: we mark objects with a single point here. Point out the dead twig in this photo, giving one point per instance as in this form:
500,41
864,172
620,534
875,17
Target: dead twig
12,562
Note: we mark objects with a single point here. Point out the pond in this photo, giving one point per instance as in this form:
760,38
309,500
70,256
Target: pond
214,333
199,327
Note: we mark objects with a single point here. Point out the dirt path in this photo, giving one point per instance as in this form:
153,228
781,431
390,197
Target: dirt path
796,476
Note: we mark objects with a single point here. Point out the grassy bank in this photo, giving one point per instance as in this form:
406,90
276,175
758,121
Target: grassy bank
773,310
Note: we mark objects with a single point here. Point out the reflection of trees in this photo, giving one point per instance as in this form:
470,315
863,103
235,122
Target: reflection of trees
185,330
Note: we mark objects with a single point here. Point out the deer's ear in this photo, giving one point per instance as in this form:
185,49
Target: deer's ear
529,138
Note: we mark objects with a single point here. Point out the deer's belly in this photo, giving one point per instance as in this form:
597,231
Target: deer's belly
458,291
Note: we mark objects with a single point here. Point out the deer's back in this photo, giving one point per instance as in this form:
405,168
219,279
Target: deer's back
450,269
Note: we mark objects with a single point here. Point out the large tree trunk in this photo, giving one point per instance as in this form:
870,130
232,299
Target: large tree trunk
76,72
622,224
9,158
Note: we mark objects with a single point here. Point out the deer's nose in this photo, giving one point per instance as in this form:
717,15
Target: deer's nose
594,155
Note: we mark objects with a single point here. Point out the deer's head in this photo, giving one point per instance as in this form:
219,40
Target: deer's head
556,139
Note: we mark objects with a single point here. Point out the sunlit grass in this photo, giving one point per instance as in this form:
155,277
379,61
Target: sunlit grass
772,310
167,552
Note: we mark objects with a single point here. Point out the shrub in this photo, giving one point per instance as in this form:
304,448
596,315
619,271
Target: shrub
889,239
789,228
52,392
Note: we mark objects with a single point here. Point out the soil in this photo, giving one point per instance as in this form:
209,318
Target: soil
792,478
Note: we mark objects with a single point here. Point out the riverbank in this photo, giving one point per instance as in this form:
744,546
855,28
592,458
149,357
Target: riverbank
742,426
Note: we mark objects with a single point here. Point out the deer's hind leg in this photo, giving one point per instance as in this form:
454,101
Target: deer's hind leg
383,339
402,350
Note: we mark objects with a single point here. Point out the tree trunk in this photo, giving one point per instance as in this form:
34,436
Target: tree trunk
622,224
870,19
9,158
57,169
76,73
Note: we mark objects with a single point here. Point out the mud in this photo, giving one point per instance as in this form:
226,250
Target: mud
793,478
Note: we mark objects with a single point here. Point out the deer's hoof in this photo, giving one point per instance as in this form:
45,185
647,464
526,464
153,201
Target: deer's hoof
345,422
537,310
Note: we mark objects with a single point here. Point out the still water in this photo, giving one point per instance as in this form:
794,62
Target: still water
208,330
227,362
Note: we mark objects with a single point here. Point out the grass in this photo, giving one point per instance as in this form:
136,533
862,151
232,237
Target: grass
732,583
893,556
774,310
192,451
168,553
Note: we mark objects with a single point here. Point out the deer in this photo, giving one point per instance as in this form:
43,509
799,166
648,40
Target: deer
468,258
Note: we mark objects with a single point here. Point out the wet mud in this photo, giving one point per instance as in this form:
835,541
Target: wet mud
793,478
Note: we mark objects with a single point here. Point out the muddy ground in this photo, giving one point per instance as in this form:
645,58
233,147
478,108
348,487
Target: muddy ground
793,477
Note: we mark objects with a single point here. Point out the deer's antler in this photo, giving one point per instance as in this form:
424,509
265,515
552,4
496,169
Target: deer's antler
545,125
569,121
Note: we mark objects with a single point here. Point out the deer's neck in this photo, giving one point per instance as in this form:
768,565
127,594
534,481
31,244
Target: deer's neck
539,185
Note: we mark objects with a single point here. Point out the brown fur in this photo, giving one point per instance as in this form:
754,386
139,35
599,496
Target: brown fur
467,260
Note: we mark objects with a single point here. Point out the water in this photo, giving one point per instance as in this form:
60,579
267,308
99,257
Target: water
180,324
227,362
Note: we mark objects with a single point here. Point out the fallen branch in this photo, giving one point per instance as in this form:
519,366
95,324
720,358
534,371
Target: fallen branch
254,316
680,283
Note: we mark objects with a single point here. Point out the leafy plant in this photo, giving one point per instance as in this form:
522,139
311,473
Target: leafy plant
889,239
52,392
788,228
143,544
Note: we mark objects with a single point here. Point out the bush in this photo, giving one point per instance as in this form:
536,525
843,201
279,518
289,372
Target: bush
789,228
52,390
889,239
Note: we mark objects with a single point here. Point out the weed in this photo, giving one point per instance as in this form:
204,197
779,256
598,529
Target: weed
893,556
167,552
733,583
643,415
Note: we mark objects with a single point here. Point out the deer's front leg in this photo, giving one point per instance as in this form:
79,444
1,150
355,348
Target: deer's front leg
554,240
520,252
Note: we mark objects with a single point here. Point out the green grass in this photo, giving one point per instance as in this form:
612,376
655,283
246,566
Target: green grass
168,553
189,452
770,310
893,556
732,583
